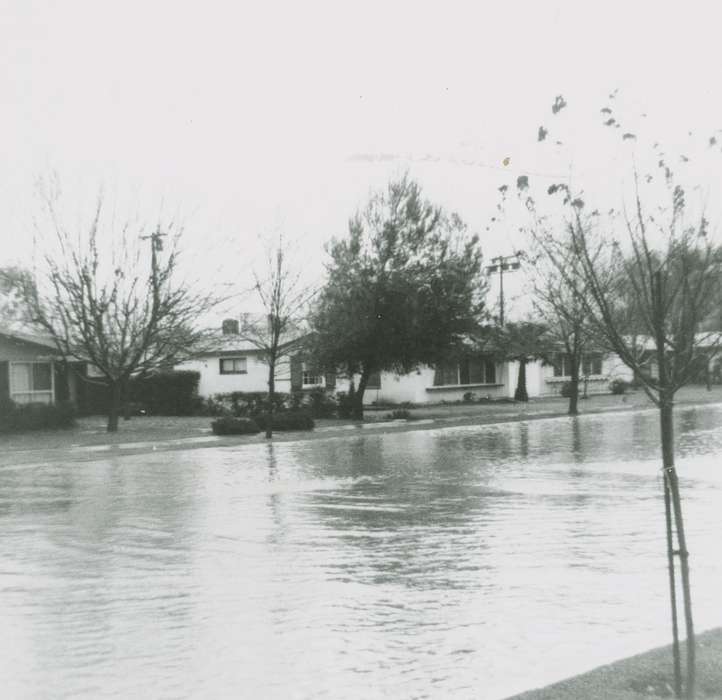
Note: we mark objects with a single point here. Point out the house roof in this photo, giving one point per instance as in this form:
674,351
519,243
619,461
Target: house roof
232,343
29,338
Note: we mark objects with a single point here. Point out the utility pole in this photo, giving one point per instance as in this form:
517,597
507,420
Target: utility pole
500,264
156,244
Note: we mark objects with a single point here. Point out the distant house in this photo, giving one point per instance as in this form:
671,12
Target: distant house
32,370
233,363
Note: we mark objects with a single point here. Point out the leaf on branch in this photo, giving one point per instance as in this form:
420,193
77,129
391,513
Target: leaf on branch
578,203
611,121
628,135
522,183
542,134
503,189
559,104
613,94
678,199
684,159
712,140
606,110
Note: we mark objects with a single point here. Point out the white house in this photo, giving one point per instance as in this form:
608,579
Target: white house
482,377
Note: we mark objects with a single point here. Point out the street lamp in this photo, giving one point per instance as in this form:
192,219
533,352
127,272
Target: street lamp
502,264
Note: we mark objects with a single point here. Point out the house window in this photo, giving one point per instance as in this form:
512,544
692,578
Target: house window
563,366
592,364
469,370
233,365
374,381
310,378
31,382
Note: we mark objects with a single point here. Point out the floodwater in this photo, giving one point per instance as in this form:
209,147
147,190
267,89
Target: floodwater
469,562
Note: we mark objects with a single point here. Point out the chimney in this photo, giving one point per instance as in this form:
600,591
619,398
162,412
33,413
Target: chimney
230,326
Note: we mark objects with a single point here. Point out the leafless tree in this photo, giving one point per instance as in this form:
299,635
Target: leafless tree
120,307
562,302
650,301
284,297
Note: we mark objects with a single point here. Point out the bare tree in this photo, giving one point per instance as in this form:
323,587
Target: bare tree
284,298
121,307
562,302
673,273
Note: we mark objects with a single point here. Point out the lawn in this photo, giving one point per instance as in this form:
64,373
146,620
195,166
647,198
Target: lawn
647,675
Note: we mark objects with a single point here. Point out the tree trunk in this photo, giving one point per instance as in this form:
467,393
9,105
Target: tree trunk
358,397
125,398
521,394
574,396
114,409
271,397
672,483
672,591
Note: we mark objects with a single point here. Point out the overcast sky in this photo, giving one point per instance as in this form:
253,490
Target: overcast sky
245,119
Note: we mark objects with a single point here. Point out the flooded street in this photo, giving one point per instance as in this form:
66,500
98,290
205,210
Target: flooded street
469,562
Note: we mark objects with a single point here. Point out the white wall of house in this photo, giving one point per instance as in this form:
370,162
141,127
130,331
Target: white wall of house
255,377
418,387
612,368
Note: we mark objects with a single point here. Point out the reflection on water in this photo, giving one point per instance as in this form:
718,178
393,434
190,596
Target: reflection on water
465,562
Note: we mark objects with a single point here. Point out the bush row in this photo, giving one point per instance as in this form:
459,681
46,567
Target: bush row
172,393
317,403
239,425
35,416
616,386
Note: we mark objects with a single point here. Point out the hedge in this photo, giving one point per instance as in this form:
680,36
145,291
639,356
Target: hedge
244,403
230,425
286,420
169,393
35,416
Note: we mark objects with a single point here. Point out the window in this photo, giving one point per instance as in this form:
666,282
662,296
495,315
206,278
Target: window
31,382
374,381
310,378
592,364
563,366
469,370
233,365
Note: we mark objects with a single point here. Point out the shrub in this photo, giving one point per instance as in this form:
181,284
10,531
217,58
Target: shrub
321,404
286,420
317,402
36,416
247,403
399,413
566,390
345,405
618,386
230,425
171,393
469,397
